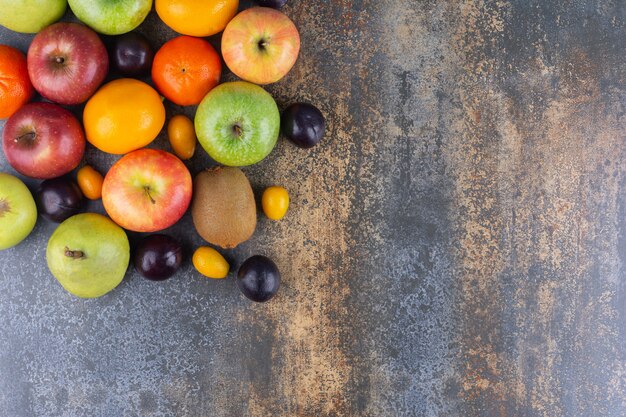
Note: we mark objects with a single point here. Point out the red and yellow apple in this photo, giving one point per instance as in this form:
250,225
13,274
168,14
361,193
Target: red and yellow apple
147,190
260,45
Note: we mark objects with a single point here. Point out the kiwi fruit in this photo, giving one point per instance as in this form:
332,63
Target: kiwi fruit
223,207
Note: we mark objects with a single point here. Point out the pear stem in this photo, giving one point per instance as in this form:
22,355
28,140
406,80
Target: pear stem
75,254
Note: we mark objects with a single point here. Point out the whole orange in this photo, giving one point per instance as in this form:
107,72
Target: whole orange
15,86
196,17
124,115
185,69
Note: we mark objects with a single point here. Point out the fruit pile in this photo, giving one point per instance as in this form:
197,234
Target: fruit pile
146,190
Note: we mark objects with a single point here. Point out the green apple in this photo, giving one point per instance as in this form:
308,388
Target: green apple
237,123
111,17
88,254
18,212
30,16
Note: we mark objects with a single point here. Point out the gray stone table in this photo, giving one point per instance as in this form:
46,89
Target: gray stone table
455,247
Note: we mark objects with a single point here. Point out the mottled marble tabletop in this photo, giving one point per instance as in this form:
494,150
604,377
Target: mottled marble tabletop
456,246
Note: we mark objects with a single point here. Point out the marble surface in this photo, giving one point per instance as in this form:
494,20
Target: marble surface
455,246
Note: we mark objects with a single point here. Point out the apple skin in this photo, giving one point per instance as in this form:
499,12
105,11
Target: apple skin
147,190
43,140
260,45
18,212
237,123
30,16
67,62
111,17
88,254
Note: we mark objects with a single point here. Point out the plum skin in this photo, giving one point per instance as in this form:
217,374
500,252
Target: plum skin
258,278
303,124
132,54
275,4
158,257
59,199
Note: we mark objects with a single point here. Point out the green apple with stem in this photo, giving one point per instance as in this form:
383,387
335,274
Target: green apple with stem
88,254
237,123
18,211
111,17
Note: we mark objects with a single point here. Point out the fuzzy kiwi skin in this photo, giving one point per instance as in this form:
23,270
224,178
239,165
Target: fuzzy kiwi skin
223,207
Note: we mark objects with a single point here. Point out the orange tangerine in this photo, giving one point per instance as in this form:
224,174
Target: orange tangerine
185,69
15,86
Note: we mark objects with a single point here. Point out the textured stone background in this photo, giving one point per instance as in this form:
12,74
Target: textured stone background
455,247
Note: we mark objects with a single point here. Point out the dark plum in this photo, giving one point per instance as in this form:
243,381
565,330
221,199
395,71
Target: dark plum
303,124
132,54
258,278
158,257
58,199
276,4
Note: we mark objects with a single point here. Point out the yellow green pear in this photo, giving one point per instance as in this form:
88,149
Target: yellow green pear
18,212
30,16
88,254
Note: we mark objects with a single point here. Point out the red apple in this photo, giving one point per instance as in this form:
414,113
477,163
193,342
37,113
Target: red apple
147,190
260,45
43,140
67,62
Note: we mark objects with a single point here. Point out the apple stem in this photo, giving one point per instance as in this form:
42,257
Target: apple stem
237,129
76,254
147,190
59,59
29,137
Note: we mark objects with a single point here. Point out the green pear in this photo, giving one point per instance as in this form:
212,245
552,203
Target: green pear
30,16
18,212
88,254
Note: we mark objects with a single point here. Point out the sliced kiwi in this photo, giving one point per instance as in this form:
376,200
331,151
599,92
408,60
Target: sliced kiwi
223,207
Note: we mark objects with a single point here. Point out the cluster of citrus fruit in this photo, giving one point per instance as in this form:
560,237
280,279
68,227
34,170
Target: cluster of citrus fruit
146,190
